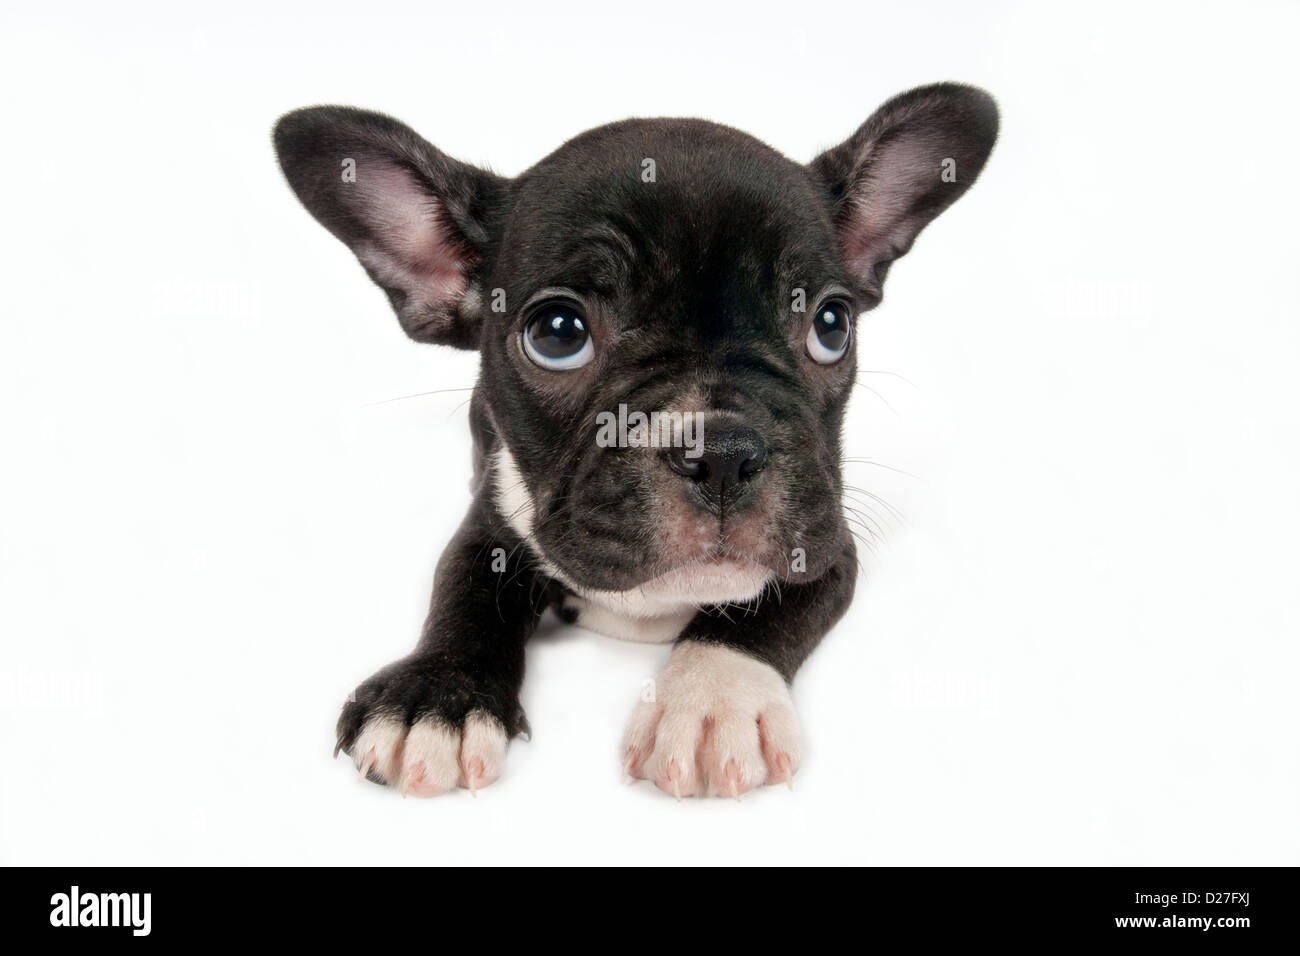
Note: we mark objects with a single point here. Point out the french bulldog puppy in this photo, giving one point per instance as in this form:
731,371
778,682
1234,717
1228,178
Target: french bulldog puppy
672,268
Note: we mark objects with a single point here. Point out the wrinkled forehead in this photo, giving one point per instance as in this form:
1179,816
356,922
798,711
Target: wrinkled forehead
713,216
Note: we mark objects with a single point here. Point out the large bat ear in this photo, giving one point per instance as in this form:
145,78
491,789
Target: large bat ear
906,164
414,217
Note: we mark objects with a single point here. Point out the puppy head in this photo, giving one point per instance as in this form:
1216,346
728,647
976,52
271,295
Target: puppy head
665,312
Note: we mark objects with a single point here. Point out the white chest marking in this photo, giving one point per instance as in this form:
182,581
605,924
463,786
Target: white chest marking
643,630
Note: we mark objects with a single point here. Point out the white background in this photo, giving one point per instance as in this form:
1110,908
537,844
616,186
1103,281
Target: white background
1078,647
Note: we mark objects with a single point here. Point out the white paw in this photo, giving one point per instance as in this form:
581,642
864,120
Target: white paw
721,723
431,757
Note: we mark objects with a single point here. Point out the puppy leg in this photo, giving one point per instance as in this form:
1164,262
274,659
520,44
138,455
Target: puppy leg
722,721
442,717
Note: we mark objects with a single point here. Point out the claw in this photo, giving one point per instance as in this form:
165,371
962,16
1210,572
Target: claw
367,762
339,745
473,773
628,764
413,774
733,779
675,776
785,767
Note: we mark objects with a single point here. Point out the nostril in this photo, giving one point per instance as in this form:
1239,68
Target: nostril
687,467
754,464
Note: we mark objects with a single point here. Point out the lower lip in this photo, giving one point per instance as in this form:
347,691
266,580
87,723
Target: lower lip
708,568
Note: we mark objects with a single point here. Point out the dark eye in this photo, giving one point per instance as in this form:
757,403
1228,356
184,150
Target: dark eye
556,337
828,339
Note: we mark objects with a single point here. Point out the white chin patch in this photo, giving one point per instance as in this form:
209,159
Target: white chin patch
657,609
719,581
701,584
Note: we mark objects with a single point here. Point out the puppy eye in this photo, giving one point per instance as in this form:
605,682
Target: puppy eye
828,339
555,337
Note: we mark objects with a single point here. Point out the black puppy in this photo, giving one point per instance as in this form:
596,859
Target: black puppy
664,310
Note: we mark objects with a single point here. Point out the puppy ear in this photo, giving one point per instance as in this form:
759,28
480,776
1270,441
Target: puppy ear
906,164
415,218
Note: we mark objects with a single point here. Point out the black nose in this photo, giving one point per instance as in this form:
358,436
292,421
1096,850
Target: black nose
731,455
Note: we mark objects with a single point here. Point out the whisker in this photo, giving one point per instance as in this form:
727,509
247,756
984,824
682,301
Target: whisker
879,464
865,499
869,537
877,371
402,398
894,512
861,568
876,393
874,525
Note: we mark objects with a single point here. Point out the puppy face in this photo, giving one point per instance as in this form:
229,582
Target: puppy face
652,267
695,293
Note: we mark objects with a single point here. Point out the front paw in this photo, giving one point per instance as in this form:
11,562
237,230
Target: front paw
721,723
426,727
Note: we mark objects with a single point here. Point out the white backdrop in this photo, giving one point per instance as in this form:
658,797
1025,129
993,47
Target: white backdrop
1079,646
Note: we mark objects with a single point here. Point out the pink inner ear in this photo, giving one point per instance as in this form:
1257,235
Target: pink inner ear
410,250
899,173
